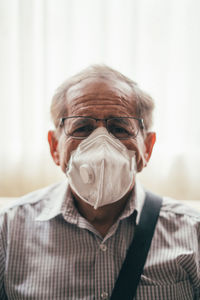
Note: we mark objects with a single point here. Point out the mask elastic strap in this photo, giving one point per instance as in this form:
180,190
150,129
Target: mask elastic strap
100,189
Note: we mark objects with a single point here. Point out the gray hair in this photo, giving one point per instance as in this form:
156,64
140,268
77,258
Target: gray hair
144,103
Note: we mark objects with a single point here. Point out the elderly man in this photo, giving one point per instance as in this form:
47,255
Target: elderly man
69,240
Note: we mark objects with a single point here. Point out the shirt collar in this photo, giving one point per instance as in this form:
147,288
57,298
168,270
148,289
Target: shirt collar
60,201
135,203
139,199
54,201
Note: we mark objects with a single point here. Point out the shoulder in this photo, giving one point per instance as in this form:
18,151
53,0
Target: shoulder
178,209
173,210
179,223
33,201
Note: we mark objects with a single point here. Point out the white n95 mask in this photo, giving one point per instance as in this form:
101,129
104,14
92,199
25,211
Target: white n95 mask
101,170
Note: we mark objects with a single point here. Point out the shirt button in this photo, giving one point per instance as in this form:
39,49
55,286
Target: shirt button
103,247
104,295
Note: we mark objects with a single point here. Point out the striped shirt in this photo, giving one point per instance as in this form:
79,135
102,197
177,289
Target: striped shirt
49,251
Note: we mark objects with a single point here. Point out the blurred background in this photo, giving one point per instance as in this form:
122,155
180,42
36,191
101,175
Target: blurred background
154,42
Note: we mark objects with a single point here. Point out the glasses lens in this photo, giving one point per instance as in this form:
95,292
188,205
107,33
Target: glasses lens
123,128
79,127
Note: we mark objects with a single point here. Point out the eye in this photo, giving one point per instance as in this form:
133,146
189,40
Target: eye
83,131
119,132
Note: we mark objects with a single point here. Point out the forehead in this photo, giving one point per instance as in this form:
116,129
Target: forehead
100,98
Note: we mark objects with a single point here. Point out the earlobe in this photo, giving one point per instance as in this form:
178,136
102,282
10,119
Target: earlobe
53,144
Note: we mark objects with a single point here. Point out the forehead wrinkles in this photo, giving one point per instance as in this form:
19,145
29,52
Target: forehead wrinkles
91,101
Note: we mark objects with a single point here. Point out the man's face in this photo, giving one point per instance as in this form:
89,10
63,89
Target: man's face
101,99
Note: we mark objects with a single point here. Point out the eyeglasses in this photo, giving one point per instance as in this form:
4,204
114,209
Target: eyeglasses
122,128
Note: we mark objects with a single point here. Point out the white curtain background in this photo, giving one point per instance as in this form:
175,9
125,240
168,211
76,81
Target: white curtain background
154,42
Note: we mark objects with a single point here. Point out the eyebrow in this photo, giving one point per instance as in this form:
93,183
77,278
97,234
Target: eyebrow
80,121
122,121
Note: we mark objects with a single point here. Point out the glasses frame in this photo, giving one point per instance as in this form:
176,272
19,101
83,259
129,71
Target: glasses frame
140,120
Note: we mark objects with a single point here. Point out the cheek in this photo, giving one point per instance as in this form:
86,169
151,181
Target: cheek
137,146
134,145
65,149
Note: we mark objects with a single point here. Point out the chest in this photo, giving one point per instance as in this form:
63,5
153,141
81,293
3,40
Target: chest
64,262
67,262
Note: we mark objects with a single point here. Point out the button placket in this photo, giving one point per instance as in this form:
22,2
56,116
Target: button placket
102,290
103,247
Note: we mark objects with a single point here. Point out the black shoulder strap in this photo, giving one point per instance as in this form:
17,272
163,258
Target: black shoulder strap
130,273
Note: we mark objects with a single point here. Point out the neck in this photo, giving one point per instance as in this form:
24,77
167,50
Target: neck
103,217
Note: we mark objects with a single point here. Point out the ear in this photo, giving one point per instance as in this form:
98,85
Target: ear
149,143
53,144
